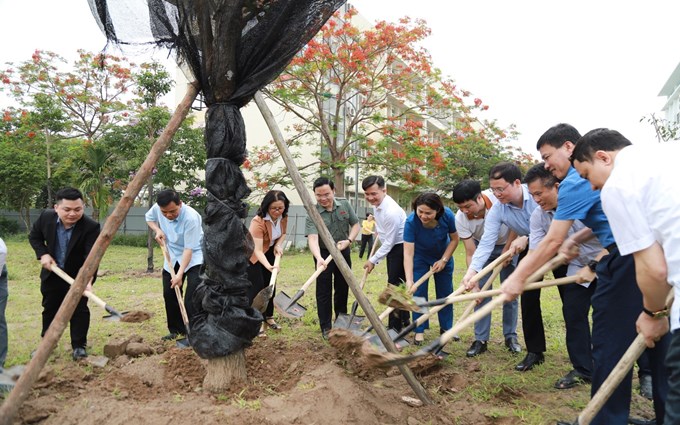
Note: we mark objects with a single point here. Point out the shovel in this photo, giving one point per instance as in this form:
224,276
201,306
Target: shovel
635,350
287,306
114,315
182,342
389,310
352,321
262,298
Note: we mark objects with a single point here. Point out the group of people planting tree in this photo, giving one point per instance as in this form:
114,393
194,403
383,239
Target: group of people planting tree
608,207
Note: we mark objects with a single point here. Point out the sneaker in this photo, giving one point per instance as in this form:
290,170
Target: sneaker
324,334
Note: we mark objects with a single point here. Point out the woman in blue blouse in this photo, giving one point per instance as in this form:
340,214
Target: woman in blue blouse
430,238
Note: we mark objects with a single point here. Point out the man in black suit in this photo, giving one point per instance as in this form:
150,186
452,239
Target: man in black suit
64,236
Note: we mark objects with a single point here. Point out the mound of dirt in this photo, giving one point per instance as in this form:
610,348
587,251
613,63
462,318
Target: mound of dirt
287,384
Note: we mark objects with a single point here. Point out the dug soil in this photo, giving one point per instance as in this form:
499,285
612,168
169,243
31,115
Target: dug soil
288,383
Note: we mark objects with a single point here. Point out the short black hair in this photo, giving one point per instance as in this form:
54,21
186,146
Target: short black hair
269,198
557,135
322,181
68,193
467,190
430,199
539,171
371,180
506,171
600,139
166,196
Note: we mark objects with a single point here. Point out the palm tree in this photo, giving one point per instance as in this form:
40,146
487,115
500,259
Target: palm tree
95,169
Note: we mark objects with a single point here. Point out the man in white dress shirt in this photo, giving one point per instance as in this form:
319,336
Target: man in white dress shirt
389,225
640,198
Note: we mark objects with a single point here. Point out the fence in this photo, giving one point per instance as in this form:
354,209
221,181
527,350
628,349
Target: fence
135,224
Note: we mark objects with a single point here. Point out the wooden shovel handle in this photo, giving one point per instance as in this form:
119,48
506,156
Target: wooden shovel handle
529,287
178,294
316,273
68,279
472,318
275,272
616,375
555,262
484,288
415,286
491,266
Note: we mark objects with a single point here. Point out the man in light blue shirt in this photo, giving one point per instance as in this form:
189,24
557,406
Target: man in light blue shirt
514,209
179,227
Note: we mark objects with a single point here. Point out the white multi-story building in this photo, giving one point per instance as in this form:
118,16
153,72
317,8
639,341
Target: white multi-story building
672,92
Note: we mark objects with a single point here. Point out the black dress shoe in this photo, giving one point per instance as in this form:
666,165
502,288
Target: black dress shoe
571,379
530,360
640,421
477,348
513,345
646,386
172,336
79,353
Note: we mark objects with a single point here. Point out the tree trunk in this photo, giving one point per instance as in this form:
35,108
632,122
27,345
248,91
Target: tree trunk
224,371
339,180
50,198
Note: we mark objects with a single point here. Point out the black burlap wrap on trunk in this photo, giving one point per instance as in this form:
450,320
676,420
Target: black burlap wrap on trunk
233,48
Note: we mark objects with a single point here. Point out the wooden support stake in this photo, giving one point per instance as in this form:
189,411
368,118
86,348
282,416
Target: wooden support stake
327,239
22,389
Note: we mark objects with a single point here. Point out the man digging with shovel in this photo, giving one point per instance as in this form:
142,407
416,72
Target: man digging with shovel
179,228
343,224
64,236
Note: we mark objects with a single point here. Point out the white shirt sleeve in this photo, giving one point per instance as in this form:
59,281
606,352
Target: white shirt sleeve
3,253
390,227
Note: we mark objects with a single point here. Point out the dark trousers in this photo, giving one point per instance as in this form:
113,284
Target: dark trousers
259,278
330,279
53,292
172,311
617,303
673,366
575,310
397,276
366,240
532,316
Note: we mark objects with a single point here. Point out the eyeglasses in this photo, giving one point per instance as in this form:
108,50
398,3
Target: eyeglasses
497,190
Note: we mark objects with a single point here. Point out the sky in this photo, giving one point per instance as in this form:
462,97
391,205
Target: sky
594,63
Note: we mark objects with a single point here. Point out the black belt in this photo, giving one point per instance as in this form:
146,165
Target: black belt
611,248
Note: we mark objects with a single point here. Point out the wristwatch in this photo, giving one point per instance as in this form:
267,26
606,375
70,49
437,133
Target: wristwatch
659,314
592,265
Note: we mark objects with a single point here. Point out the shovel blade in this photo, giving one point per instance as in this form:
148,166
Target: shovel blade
281,303
400,343
262,298
182,343
114,317
346,321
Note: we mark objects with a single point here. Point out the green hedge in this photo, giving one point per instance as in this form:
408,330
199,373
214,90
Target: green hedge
130,240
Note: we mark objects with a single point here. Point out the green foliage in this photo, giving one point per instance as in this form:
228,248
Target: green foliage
130,240
8,227
373,98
